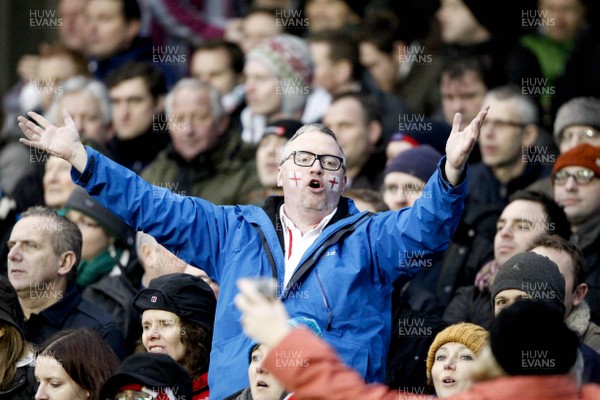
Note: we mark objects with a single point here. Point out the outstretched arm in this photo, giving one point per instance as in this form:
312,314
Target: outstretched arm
191,227
460,144
61,142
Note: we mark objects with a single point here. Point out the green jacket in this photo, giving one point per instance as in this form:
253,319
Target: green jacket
224,175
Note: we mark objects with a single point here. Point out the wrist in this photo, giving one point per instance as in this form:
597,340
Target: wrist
453,175
79,157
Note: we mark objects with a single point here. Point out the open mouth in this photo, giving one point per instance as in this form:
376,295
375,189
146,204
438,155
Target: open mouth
449,381
261,384
156,349
315,184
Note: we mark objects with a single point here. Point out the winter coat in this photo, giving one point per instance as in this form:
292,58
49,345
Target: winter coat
484,187
71,312
587,238
141,50
114,294
23,386
327,378
579,321
347,289
470,305
223,175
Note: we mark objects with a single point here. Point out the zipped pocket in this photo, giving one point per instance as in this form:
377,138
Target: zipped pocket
325,301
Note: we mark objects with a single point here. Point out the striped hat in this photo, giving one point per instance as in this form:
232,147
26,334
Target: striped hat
288,58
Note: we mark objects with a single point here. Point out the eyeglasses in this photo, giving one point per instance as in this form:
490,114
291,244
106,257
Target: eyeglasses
582,177
133,395
307,159
499,124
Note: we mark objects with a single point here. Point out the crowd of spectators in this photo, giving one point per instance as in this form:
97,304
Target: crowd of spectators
159,151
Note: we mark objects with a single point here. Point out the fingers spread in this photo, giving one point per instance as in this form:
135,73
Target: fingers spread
30,143
39,119
481,116
30,129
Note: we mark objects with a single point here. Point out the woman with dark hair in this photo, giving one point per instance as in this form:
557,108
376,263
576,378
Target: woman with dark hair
74,364
178,313
16,355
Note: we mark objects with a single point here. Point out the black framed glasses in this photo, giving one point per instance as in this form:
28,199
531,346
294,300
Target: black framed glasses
582,177
500,124
307,159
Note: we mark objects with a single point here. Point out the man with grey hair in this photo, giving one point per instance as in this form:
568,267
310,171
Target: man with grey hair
205,159
44,252
88,103
330,261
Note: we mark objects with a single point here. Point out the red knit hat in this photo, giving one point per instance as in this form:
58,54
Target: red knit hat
584,155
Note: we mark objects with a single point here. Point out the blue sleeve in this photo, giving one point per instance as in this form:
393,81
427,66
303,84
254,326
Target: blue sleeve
402,240
188,226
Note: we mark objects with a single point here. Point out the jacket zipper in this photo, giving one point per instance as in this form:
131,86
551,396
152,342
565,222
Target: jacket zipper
329,311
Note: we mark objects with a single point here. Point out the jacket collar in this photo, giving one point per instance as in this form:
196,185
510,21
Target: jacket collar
58,312
273,204
588,232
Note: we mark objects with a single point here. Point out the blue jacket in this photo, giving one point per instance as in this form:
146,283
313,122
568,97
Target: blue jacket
348,290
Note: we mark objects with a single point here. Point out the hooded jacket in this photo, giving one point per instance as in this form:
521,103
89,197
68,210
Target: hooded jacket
23,385
347,290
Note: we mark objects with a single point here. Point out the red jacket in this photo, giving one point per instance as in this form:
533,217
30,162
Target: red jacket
310,368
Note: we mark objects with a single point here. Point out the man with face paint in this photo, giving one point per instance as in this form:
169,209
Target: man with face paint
331,262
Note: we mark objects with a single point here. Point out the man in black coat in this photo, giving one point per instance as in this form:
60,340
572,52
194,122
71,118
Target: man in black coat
45,249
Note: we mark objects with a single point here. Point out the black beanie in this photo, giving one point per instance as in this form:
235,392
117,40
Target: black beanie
420,162
185,295
531,338
153,370
285,128
532,273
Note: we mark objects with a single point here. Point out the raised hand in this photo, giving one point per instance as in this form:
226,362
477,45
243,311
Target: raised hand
61,142
460,144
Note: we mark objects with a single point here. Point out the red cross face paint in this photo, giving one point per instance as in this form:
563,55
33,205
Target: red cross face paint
295,178
334,183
